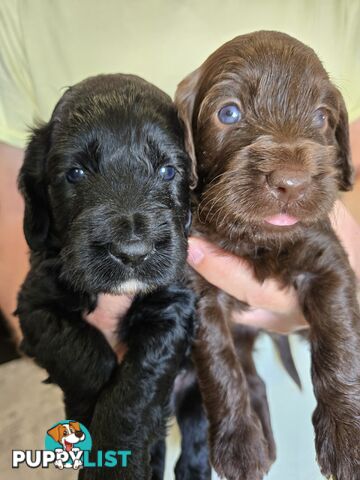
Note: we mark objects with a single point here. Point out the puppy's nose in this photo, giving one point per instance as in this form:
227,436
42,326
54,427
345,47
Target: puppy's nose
288,185
131,253
79,434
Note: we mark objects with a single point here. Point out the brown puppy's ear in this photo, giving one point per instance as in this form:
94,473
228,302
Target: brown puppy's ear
31,183
184,100
56,432
343,162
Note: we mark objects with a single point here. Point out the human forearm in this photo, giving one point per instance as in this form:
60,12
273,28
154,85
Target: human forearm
348,231
13,249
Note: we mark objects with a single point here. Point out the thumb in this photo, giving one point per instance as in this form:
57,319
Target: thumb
228,272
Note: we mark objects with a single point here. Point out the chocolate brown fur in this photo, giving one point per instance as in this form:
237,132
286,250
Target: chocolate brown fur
245,173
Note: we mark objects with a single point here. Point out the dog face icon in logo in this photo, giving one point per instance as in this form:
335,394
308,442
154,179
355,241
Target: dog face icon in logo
70,435
67,434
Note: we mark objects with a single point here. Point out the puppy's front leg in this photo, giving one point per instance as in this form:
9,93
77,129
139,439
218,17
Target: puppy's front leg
193,463
244,340
132,410
238,448
75,354
328,299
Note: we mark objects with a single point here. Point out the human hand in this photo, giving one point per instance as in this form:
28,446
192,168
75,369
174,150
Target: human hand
106,317
272,308
348,231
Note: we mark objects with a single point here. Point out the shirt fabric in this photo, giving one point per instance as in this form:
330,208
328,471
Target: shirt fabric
47,45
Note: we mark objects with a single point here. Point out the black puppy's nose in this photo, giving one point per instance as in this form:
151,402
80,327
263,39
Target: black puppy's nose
288,185
131,253
79,434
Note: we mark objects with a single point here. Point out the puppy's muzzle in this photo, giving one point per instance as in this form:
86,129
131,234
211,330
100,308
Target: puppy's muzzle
131,252
130,243
287,185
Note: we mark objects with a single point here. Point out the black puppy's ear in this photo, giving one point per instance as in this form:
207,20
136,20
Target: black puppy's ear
343,162
31,183
184,100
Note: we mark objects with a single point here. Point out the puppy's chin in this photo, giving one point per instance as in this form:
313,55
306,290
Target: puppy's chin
267,235
278,234
132,287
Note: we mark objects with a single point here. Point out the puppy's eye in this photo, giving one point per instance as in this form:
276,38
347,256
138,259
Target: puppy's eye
167,173
229,114
320,118
75,175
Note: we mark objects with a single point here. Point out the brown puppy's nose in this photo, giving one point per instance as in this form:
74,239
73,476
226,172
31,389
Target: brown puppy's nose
79,434
288,185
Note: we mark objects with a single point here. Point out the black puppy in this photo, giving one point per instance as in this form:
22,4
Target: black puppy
106,192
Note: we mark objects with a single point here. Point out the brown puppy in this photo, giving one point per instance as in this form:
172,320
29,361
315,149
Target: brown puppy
268,135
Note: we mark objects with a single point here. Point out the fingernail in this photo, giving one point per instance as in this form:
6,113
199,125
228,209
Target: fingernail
195,254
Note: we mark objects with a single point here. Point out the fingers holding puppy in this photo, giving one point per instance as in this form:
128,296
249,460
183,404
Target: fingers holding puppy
273,308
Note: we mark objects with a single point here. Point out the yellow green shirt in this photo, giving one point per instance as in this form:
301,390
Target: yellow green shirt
47,45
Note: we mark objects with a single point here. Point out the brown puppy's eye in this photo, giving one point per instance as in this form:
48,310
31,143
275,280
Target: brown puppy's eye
229,114
320,118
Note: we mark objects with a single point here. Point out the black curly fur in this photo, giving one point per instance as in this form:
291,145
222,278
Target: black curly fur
119,130
157,329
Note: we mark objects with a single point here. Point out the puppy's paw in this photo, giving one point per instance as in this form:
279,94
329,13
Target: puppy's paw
177,303
261,408
187,469
241,453
337,443
167,313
